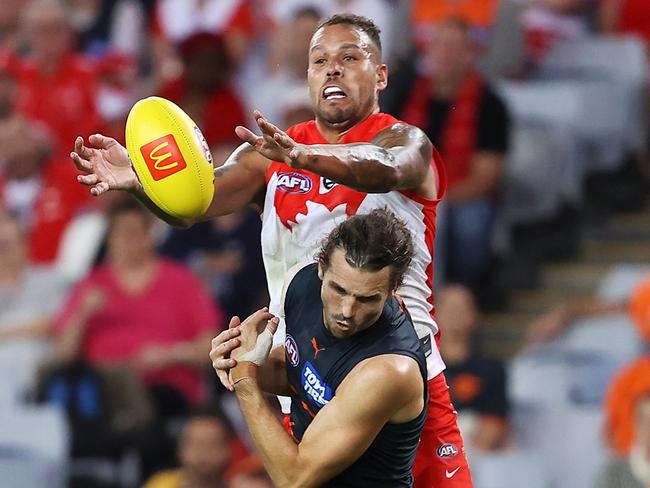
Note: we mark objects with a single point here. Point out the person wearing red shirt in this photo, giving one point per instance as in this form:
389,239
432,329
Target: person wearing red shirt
204,91
140,310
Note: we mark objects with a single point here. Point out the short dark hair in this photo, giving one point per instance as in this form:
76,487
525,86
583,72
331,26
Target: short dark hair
127,204
361,23
371,242
213,412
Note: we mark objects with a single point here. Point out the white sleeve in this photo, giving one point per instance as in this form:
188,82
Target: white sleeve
291,274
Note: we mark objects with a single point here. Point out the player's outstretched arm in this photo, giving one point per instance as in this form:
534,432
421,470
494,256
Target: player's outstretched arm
398,158
106,166
378,390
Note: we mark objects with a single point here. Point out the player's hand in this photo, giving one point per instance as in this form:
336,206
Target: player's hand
256,337
106,164
222,346
274,143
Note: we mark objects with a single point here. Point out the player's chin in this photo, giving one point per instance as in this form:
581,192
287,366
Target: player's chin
335,114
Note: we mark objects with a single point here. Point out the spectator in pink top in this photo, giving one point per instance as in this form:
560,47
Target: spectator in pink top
141,311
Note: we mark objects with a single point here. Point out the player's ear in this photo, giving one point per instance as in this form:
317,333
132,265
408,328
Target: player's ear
321,271
382,76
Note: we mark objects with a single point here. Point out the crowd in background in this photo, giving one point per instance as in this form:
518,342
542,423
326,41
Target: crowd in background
107,314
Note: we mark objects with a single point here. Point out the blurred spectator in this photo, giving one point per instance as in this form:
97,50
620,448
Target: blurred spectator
143,312
626,17
174,21
226,253
10,24
380,11
546,22
288,61
427,15
204,88
468,122
24,148
624,391
205,450
102,26
57,85
632,471
248,473
117,79
29,296
560,318
477,384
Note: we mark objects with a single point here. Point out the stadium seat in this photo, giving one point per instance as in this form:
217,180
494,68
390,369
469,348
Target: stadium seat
41,434
508,470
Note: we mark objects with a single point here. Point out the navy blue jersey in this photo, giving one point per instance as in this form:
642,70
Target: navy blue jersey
317,363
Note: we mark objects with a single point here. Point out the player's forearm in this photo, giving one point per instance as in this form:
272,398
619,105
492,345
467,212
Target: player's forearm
363,167
279,452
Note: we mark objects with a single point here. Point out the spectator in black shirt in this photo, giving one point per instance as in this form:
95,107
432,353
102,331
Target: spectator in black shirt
468,123
477,384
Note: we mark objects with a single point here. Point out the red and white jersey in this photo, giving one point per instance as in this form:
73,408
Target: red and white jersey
301,208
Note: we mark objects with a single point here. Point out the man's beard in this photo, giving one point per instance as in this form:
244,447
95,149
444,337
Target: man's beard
639,463
336,115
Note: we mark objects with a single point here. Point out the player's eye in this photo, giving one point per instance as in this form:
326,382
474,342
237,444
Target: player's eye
319,61
349,57
370,299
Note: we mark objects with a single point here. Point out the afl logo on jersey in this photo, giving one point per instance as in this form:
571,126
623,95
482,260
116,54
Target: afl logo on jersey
293,183
447,450
291,350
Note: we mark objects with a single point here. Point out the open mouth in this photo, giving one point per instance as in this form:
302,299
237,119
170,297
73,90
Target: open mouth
333,92
343,325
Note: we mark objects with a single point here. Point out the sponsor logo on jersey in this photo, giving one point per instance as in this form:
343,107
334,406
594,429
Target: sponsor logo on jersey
293,182
314,386
447,450
204,145
328,184
291,350
163,157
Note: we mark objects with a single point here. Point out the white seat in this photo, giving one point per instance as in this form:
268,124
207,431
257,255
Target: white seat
544,170
514,469
621,280
40,431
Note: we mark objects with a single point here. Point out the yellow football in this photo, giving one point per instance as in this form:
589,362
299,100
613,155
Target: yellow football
171,157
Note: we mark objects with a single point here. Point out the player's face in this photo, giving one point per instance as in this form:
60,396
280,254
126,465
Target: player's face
353,299
345,75
204,449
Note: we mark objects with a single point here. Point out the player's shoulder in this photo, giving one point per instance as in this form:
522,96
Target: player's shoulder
389,374
304,132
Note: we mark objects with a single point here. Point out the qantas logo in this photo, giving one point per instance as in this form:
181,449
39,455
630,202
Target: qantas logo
294,183
314,386
163,157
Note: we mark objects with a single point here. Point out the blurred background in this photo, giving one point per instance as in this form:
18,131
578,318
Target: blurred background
539,107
